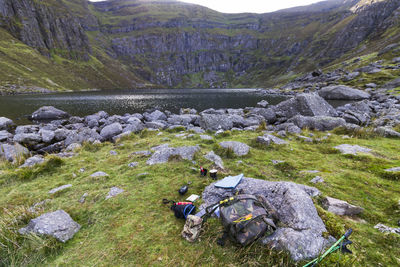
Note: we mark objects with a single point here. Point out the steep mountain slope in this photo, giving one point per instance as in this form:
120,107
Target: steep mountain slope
138,43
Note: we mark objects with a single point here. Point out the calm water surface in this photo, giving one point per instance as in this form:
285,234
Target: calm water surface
120,102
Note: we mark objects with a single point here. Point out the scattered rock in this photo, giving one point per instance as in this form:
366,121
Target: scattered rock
48,113
133,164
386,229
301,233
162,155
73,147
113,153
57,224
142,153
276,162
60,188
310,171
216,159
99,174
238,148
113,192
305,138
206,137
317,179
396,169
83,198
32,161
267,139
262,104
340,207
35,207
342,92
352,149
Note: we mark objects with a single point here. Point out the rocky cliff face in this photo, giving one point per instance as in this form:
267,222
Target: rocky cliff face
45,25
173,44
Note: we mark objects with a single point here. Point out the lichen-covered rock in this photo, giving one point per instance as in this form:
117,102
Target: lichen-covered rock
340,207
267,139
99,174
352,149
215,122
48,113
320,123
114,191
301,233
57,224
163,154
60,188
108,132
6,124
342,92
215,158
32,161
13,153
238,148
306,105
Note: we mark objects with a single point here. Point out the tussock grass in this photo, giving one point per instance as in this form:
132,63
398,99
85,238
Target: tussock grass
134,228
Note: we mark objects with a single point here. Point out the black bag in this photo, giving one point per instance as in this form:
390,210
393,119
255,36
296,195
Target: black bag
181,209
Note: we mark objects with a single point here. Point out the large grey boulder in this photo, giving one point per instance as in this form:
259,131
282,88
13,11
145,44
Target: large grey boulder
301,233
215,122
57,224
162,154
4,136
342,92
267,139
28,138
49,113
340,207
47,135
183,120
211,156
306,105
267,113
13,153
352,149
155,116
6,124
238,148
134,127
108,132
320,123
32,161
81,136
27,129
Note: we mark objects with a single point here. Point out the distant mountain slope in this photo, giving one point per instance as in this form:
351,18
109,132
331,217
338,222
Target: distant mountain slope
137,43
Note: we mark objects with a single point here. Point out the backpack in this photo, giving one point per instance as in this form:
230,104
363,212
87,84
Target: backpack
245,218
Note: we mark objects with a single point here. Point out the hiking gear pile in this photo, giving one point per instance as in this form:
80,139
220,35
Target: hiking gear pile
245,218
181,209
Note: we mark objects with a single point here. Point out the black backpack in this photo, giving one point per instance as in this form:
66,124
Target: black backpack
245,218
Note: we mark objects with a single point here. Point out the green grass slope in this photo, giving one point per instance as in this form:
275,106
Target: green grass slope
135,229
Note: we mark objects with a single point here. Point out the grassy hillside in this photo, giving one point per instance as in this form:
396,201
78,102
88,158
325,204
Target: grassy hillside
134,228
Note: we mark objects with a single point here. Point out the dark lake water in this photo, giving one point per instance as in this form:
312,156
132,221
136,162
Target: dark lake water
120,102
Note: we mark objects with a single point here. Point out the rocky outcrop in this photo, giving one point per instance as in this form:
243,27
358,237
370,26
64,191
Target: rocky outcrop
49,113
164,153
320,123
238,148
45,26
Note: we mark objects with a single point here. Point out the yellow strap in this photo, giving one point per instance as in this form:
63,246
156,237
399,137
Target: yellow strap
244,218
226,200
